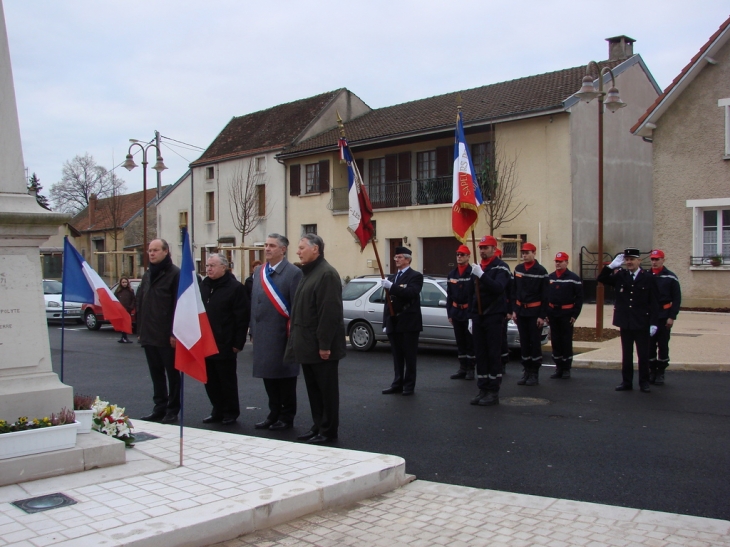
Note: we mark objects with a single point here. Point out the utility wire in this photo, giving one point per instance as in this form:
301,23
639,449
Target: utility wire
188,144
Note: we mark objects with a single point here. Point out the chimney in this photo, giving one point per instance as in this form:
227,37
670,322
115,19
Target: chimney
92,208
620,48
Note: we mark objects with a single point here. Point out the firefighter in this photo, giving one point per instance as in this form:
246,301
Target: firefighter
459,289
670,298
565,300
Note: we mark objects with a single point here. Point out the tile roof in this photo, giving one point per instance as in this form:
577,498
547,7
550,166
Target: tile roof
681,75
267,129
129,205
480,105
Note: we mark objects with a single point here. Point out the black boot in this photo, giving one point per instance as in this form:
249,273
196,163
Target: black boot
566,373
523,381
482,393
460,375
558,372
532,379
659,378
652,372
490,399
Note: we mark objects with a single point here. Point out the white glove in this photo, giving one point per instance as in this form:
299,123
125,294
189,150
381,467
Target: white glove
617,262
476,269
386,284
652,330
469,326
383,328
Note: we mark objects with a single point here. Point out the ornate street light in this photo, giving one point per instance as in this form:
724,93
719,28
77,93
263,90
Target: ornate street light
613,102
159,166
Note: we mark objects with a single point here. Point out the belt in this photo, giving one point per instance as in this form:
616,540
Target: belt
667,306
529,304
563,307
460,306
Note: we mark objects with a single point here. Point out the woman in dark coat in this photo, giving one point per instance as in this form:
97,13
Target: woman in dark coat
125,295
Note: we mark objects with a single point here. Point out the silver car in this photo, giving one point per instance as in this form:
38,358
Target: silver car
363,300
52,296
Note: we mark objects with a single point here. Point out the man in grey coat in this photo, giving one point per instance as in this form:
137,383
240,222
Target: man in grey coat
274,285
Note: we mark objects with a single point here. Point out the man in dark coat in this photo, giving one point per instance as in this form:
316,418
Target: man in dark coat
459,288
156,300
565,301
272,293
670,299
635,313
404,326
227,306
318,337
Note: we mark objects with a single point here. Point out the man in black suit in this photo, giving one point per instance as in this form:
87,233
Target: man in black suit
405,325
636,313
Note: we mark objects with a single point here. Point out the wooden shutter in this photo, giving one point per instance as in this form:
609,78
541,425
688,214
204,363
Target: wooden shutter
404,166
444,161
391,168
324,176
361,167
295,179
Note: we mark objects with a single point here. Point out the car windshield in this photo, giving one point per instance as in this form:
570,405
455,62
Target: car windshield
52,287
354,290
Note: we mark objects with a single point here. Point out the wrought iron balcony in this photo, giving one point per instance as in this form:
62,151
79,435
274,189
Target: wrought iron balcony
709,260
404,193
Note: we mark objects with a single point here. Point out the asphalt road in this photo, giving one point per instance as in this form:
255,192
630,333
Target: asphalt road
577,439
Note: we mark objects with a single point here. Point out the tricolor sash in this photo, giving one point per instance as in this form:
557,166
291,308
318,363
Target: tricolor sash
272,292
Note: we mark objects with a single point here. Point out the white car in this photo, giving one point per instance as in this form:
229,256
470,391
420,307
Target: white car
52,295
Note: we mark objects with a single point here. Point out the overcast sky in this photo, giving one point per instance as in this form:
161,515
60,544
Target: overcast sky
90,75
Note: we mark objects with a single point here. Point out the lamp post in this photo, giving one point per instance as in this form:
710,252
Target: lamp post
159,166
611,99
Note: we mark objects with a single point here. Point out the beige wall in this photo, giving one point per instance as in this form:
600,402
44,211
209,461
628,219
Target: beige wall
688,165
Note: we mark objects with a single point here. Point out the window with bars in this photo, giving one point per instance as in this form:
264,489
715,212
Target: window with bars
511,247
716,232
309,229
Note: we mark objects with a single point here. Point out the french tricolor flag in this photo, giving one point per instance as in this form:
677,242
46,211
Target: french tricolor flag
190,326
82,284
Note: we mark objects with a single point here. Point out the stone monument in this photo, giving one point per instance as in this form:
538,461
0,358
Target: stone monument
28,385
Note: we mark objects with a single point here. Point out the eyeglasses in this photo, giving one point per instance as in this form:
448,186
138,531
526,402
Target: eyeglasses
398,257
461,254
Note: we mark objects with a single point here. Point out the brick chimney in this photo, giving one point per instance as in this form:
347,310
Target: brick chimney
620,48
92,208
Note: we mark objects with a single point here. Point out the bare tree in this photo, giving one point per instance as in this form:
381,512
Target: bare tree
248,203
80,178
499,185
112,206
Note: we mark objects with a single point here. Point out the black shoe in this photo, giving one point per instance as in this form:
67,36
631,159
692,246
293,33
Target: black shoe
308,435
469,375
212,419
169,418
558,374
392,390
154,417
406,393
490,399
532,379
652,376
264,425
279,425
482,393
659,381
624,387
459,375
523,381
228,421
644,388
566,374
320,439
122,341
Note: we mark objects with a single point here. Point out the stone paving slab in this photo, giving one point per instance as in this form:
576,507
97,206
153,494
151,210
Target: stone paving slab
431,514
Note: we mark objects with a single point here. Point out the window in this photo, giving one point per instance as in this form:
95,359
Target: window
260,164
317,177
182,223
312,171
711,229
210,206
725,103
353,291
376,179
426,165
431,295
210,173
482,157
261,199
511,247
309,229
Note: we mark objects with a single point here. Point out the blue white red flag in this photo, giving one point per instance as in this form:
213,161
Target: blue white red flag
190,326
467,197
82,284
361,211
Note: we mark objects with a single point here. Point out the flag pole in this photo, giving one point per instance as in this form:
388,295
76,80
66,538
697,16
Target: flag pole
476,281
63,306
182,414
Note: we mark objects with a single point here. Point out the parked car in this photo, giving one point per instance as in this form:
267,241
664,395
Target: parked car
363,300
52,294
94,316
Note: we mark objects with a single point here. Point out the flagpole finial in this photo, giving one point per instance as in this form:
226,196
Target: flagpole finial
458,101
340,124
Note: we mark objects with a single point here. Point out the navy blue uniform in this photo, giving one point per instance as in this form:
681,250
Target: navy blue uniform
670,298
565,301
459,290
530,302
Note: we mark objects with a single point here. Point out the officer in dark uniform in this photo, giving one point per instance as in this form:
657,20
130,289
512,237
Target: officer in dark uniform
635,313
565,301
487,314
459,289
505,346
670,298
405,325
529,310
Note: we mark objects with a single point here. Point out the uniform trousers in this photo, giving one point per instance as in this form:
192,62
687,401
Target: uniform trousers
629,339
165,379
222,387
505,346
487,334
561,338
404,347
659,346
282,394
324,396
464,344
530,347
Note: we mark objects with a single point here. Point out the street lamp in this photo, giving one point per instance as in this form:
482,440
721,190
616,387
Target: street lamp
611,99
159,166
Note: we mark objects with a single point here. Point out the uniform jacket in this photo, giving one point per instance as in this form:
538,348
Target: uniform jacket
566,290
530,287
493,289
269,327
670,294
227,306
459,289
156,302
636,306
317,320
406,299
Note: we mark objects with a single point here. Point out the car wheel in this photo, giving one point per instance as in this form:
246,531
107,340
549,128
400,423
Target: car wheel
91,322
362,336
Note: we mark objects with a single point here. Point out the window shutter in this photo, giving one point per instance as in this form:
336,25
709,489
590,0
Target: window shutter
361,167
444,161
391,168
294,179
404,166
324,176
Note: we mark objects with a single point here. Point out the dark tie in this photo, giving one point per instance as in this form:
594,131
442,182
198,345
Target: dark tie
396,277
269,269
